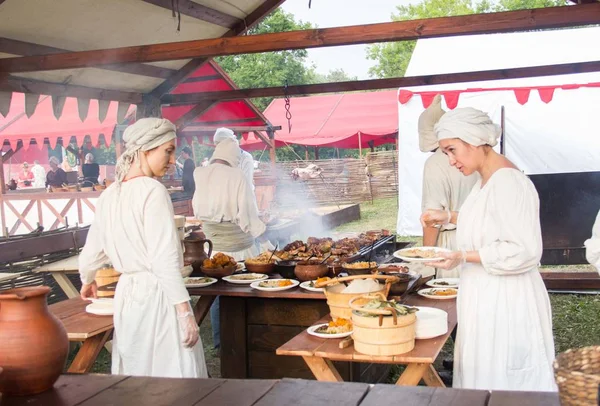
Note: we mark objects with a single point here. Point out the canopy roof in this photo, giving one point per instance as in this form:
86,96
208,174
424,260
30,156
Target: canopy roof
339,120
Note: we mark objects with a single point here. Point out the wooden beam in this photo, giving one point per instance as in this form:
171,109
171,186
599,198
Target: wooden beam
197,79
11,46
537,19
14,84
191,115
198,11
247,128
250,21
264,139
391,83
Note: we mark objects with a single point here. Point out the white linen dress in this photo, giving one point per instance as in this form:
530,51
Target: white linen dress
445,188
134,230
504,339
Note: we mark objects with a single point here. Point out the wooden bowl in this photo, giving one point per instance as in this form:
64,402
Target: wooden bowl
360,271
286,269
99,187
87,189
259,268
219,272
310,270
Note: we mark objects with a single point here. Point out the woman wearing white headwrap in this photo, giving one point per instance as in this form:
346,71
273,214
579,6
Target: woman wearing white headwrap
504,339
155,330
227,208
444,187
246,163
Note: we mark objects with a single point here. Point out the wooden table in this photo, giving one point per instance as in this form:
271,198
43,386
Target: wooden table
101,390
94,331
319,352
254,324
59,271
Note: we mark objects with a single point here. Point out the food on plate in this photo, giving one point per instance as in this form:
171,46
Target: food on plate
275,283
198,281
247,277
393,268
219,260
362,286
335,327
420,253
319,280
441,292
361,265
264,258
440,283
401,310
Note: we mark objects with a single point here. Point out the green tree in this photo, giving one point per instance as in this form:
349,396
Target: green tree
334,75
393,57
270,68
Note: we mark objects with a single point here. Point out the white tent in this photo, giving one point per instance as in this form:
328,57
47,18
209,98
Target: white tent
549,121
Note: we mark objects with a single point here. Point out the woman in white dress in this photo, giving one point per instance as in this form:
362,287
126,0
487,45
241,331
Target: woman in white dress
155,330
504,337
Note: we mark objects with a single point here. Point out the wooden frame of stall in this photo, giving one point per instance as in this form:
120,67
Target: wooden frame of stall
231,43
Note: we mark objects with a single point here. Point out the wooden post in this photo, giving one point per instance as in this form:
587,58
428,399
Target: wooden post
272,153
316,153
149,107
305,153
2,180
503,132
359,145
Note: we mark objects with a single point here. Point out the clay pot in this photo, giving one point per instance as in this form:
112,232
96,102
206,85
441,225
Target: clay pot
310,270
194,253
34,342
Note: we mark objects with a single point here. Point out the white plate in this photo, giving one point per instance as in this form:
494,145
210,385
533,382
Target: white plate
398,254
451,283
306,285
100,308
431,322
191,282
312,332
259,277
422,292
254,285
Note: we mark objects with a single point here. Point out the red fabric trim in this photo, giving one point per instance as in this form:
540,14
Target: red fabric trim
427,99
404,96
452,99
546,94
522,95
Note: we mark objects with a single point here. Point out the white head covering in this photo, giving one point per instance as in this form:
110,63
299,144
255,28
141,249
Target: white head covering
89,157
144,135
470,125
223,134
53,160
228,150
427,120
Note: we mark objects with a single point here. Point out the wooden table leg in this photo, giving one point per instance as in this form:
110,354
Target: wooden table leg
432,378
65,284
202,307
412,375
323,369
87,354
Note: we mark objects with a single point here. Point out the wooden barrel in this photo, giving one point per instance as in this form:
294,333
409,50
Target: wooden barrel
106,276
382,334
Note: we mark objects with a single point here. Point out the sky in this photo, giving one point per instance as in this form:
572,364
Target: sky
338,13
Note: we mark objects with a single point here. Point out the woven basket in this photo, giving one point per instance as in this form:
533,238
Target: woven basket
577,373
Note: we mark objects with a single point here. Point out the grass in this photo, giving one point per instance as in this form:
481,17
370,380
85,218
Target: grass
576,318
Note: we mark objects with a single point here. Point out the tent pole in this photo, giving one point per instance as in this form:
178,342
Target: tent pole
316,153
359,145
306,153
2,180
503,133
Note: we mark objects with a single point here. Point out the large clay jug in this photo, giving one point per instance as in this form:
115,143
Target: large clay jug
194,253
33,342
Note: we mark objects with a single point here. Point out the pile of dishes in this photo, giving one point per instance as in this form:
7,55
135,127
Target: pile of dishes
431,322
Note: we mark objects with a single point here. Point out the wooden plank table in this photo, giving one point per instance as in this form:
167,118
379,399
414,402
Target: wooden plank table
94,331
101,390
59,271
319,352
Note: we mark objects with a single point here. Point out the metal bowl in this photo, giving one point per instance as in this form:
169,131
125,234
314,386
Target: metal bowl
286,269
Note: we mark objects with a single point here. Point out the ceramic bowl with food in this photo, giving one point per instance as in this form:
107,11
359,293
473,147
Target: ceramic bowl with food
310,270
264,263
286,269
218,272
360,268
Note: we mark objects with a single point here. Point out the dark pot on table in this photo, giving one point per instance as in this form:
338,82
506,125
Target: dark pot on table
194,253
286,269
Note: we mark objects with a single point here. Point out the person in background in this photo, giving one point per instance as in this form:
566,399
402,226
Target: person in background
504,339
188,167
228,212
205,162
592,245
246,161
39,174
444,187
90,169
56,177
134,229
26,177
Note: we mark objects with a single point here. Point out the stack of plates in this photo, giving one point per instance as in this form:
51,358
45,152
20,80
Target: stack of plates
100,307
431,322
